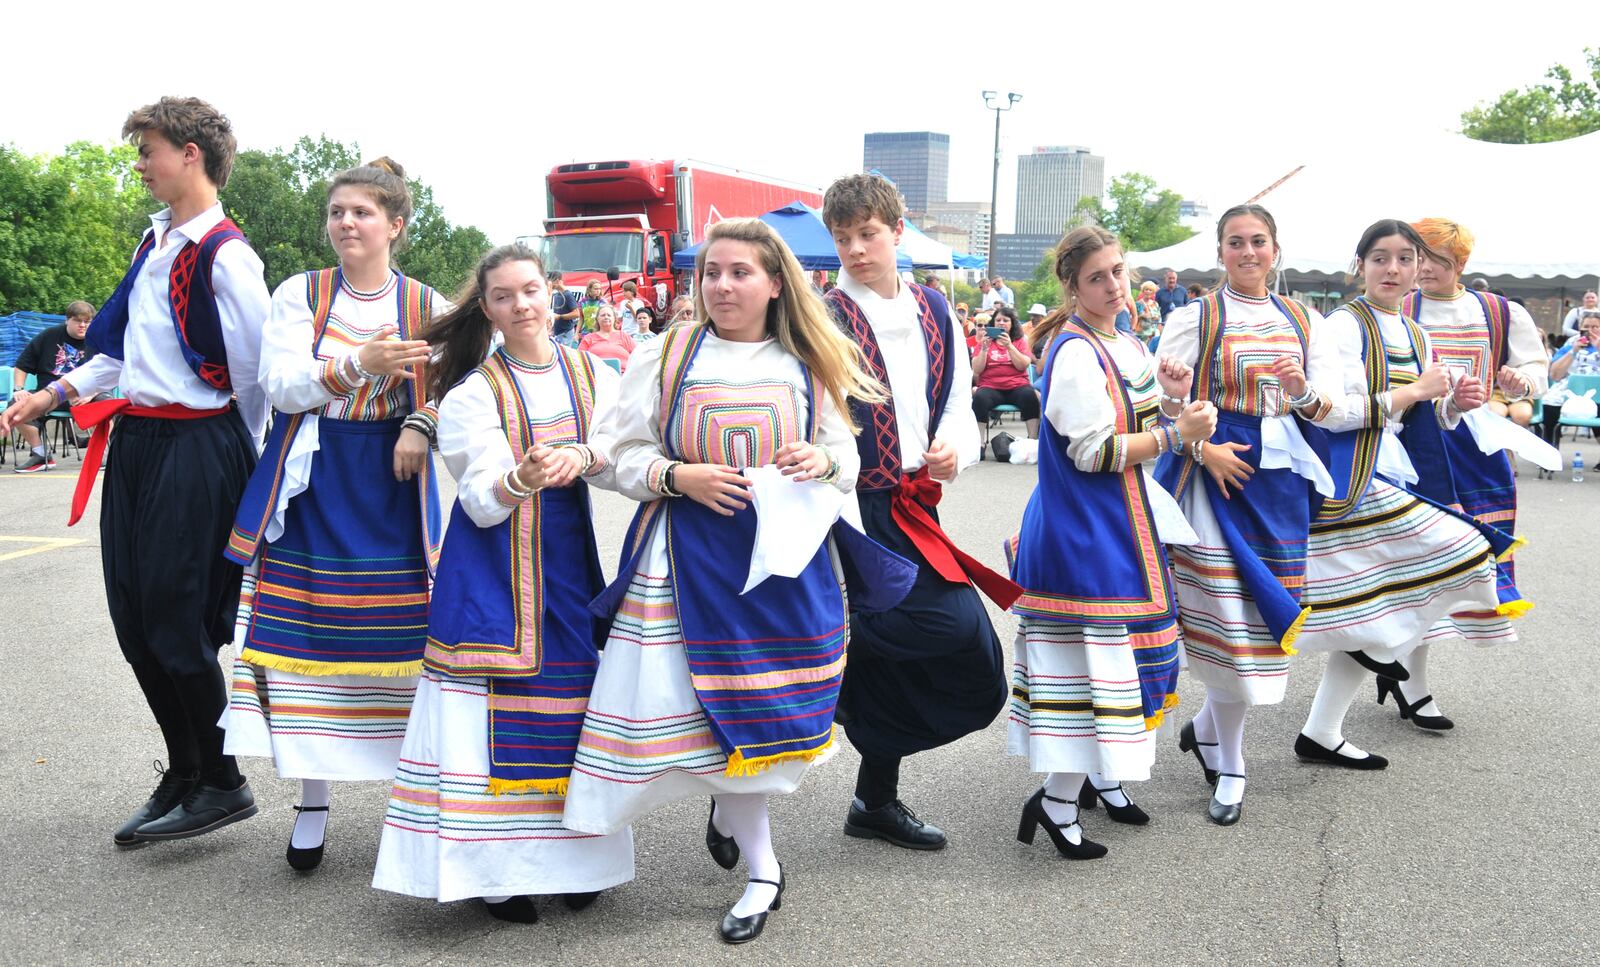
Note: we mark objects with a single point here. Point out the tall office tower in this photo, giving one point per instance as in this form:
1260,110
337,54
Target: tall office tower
918,162
970,216
1051,182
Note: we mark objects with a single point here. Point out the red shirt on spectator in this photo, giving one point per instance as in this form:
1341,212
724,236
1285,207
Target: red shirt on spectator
999,372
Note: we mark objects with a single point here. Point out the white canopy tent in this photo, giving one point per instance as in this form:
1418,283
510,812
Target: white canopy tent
1530,206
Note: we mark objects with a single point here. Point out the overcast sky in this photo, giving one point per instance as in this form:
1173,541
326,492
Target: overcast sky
1215,100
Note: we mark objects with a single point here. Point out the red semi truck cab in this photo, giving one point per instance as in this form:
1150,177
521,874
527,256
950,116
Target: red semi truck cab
627,218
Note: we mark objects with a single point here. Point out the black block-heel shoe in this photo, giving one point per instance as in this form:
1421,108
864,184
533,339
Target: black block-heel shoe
1308,748
1034,816
1222,814
309,858
745,929
580,901
1388,669
1188,743
1130,814
723,849
1438,723
517,909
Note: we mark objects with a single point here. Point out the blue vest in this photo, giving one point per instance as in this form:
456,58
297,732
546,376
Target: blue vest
195,319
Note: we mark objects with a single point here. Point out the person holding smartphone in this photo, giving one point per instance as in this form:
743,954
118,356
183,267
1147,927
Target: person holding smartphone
1000,370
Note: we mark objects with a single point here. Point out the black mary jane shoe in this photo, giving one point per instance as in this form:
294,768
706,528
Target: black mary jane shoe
1308,748
893,823
517,909
1408,710
724,850
1034,816
580,901
1388,669
306,859
737,930
1225,814
1188,743
170,791
206,809
1130,815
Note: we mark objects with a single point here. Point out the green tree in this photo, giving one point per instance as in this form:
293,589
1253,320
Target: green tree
1566,107
68,225
279,198
1143,216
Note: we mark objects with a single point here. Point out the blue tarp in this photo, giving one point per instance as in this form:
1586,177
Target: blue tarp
17,329
800,226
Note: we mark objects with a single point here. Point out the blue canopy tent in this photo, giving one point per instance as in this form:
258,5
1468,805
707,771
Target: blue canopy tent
800,226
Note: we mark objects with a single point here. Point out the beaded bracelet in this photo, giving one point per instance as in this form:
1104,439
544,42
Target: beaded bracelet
831,474
1200,452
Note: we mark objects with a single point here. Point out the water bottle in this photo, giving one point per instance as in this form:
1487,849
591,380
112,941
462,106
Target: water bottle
1577,466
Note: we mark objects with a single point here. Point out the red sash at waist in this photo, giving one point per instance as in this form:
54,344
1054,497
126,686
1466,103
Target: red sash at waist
951,562
97,417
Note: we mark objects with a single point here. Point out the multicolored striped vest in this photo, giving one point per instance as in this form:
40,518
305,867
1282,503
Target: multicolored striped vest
195,319
1469,350
879,440
415,310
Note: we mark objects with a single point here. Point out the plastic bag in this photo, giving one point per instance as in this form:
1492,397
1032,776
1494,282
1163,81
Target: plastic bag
1581,407
1025,451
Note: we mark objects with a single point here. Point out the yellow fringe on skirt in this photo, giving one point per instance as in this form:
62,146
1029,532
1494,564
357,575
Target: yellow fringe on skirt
1153,722
1514,609
1289,637
740,765
499,787
302,666
1517,544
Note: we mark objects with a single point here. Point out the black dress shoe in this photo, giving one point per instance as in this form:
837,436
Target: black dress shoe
745,929
517,909
1223,814
170,791
1437,723
305,859
1308,748
723,849
892,823
1188,743
205,809
1130,814
1034,816
579,901
1388,669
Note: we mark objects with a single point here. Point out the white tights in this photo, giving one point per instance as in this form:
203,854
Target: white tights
744,815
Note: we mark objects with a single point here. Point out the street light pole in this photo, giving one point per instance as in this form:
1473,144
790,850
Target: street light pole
991,100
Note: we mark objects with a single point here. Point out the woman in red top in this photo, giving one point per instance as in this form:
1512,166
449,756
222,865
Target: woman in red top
607,341
1000,371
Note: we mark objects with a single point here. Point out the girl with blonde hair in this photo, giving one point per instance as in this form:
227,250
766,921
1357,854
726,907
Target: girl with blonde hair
722,668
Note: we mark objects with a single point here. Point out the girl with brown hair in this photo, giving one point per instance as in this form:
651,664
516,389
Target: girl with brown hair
1096,664
340,522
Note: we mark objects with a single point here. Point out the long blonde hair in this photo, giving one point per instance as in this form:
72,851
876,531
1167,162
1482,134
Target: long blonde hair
796,318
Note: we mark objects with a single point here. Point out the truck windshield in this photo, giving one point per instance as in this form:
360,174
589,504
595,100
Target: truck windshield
593,252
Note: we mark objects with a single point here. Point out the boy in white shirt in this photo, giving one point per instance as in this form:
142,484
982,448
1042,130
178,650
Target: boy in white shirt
181,336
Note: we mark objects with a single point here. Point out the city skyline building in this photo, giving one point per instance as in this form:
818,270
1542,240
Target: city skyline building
918,162
972,217
1051,182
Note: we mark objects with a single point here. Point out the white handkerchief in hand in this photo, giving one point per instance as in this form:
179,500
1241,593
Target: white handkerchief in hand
792,521
1494,433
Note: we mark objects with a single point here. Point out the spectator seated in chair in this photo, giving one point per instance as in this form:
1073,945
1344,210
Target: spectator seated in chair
52,353
1580,357
607,341
1000,370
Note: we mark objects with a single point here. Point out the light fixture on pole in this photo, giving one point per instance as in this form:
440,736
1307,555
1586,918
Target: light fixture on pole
991,100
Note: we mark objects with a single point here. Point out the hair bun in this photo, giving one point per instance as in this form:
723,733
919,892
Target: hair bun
388,164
